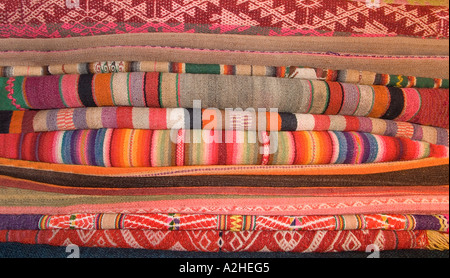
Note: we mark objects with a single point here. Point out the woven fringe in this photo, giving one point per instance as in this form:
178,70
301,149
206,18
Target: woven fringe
437,241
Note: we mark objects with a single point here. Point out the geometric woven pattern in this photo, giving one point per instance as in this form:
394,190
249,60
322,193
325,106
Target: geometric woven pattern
55,19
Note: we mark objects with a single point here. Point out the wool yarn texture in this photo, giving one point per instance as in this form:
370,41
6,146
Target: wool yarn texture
168,90
344,76
140,148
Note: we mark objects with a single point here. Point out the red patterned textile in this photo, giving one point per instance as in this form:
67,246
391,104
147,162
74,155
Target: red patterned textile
215,241
56,19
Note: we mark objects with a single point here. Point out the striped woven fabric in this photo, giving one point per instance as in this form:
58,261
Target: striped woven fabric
228,241
136,148
174,118
344,76
169,90
186,222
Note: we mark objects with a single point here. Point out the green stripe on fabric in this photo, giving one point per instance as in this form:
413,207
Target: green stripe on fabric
128,89
423,82
159,90
60,90
202,68
327,102
403,82
112,89
287,72
312,96
18,92
445,84
393,80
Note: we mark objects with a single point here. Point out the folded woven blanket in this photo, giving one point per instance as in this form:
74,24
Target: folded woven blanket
143,148
169,90
209,119
344,76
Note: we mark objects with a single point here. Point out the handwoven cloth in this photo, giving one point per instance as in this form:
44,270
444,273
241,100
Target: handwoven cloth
187,222
169,90
286,18
253,201
174,118
344,76
156,148
228,241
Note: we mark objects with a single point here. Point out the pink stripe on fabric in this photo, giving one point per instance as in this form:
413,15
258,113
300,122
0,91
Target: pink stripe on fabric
69,88
180,147
158,118
412,104
265,147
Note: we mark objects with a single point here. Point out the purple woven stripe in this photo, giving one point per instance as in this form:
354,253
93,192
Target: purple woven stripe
365,124
351,99
79,118
442,137
109,117
43,92
391,128
427,222
136,89
418,133
51,120
19,221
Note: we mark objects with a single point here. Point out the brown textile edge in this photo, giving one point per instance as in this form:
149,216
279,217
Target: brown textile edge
373,45
427,176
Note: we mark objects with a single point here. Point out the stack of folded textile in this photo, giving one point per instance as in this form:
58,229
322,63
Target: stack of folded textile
225,126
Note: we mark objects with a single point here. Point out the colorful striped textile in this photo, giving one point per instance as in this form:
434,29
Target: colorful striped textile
228,241
344,76
225,126
189,222
169,90
158,148
208,119
286,18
